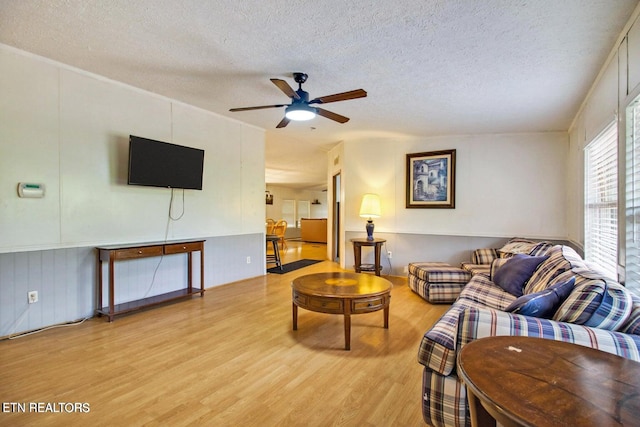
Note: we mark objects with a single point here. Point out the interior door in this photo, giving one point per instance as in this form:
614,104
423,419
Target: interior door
335,226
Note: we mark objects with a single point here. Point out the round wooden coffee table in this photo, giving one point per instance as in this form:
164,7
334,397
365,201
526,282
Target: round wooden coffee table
525,381
341,293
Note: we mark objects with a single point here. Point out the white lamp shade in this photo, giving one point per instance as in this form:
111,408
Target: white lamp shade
370,207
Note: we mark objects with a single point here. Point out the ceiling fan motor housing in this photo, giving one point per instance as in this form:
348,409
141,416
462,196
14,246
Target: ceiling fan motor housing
300,77
304,97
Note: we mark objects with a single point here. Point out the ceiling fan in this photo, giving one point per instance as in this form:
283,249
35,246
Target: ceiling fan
300,107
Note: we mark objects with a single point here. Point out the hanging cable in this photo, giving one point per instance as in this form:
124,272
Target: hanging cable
171,209
388,260
62,325
166,237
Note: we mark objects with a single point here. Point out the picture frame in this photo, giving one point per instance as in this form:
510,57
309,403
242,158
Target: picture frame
431,179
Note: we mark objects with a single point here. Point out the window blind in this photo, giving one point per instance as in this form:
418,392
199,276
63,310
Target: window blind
289,212
632,209
601,201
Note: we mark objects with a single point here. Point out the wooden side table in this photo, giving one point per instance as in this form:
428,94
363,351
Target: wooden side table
541,382
357,254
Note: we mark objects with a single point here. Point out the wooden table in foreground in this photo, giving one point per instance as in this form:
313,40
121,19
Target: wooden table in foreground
341,293
526,381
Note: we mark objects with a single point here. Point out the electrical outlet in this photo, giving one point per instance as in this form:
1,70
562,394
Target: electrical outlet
405,269
248,260
389,254
32,296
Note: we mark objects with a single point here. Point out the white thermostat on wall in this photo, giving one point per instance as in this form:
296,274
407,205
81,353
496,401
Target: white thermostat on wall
27,189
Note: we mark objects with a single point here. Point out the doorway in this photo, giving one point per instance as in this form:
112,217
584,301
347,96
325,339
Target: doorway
335,226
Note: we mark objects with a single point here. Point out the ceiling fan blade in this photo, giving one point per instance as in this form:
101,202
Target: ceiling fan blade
258,108
352,94
284,86
331,115
283,123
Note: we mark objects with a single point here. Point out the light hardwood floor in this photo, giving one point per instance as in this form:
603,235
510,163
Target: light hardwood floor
228,359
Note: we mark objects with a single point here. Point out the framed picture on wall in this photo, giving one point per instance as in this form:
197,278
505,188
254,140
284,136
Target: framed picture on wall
431,179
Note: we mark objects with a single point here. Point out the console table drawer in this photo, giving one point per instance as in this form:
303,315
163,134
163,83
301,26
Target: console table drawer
179,248
369,304
138,252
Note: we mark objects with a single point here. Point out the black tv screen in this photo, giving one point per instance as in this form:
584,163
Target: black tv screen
160,164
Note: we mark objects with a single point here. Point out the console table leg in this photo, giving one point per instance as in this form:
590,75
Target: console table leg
202,270
99,266
347,332
190,274
112,297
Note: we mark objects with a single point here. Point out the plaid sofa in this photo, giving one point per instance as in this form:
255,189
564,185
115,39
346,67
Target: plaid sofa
598,313
482,259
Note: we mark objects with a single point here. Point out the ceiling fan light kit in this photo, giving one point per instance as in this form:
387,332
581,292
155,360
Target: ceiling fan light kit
300,112
300,108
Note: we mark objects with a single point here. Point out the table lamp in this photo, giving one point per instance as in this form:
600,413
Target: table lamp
370,208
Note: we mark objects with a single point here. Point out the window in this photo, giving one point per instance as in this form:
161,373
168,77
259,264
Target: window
601,201
294,210
288,212
632,212
303,211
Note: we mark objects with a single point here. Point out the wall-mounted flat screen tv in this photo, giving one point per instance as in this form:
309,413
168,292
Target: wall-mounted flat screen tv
160,164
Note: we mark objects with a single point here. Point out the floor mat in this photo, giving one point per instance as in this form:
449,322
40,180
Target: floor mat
287,268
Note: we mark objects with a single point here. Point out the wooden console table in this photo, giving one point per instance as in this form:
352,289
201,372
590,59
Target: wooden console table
114,253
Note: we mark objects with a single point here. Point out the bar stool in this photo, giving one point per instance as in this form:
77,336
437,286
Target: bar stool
275,258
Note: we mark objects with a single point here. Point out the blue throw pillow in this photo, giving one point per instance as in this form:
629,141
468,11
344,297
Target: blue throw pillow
544,303
513,275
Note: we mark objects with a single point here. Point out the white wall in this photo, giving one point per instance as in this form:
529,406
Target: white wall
505,185
29,144
69,130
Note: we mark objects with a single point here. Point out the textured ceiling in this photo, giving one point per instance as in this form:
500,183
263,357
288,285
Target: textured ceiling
430,67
